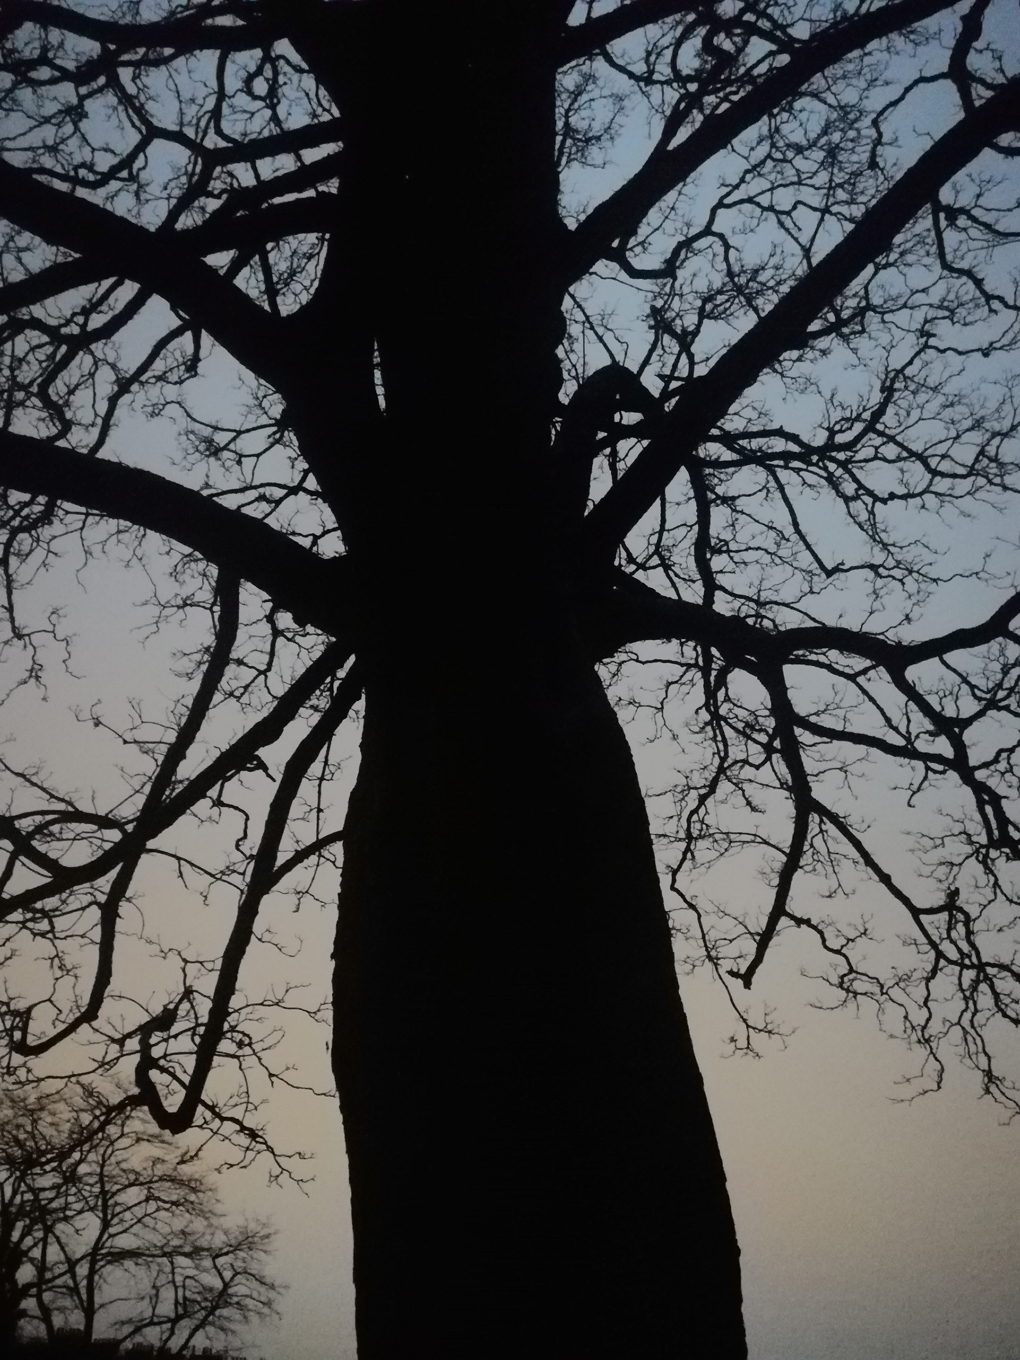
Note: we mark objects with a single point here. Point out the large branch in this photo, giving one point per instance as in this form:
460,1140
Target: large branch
47,283
580,40
634,612
620,215
260,882
192,33
121,249
162,782
271,197
237,756
243,232
706,399
303,138
308,587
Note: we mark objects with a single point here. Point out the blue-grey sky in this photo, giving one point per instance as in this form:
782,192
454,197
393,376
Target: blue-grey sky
870,1229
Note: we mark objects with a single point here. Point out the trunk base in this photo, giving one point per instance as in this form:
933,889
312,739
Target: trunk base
533,1167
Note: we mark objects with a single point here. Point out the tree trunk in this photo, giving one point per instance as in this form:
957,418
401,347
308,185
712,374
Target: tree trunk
533,1166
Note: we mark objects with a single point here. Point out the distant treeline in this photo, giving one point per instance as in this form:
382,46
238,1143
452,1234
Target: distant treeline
72,1346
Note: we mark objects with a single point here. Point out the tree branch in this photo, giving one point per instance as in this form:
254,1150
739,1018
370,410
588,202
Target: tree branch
308,587
193,33
234,757
261,881
242,232
706,399
620,215
801,796
634,612
303,138
154,260
580,40
173,757
48,283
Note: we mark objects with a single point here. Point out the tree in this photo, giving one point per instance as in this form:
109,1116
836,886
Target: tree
410,227
109,1230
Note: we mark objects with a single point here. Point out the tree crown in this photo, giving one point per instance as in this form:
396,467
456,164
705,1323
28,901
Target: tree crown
109,1230
781,236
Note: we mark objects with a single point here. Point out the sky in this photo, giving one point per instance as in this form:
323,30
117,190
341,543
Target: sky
871,1229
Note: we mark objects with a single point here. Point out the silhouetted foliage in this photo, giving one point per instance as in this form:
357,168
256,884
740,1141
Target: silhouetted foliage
112,1239
70,1345
499,343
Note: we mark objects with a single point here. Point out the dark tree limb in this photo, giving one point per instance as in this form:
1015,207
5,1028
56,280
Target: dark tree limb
173,757
581,40
304,138
232,758
243,232
194,33
261,881
308,587
48,283
802,797
620,215
634,612
121,249
706,399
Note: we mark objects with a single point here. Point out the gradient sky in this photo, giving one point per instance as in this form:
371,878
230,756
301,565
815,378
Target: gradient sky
870,1229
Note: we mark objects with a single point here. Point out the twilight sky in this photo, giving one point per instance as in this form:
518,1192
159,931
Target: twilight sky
871,1230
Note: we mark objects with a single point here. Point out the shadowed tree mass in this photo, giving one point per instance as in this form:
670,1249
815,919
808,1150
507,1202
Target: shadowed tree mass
111,1233
516,350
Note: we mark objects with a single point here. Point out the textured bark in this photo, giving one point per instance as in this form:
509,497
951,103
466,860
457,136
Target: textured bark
533,1166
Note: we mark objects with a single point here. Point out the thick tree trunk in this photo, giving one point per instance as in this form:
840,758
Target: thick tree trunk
533,1166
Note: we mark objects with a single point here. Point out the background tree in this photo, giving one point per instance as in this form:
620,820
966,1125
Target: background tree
112,1231
785,319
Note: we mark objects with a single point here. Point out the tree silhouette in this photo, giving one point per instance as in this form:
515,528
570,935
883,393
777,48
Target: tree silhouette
667,336
111,1231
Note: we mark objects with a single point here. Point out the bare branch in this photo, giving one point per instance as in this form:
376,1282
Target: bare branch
177,750
620,215
581,40
707,398
203,30
121,249
635,612
232,758
292,576
263,876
